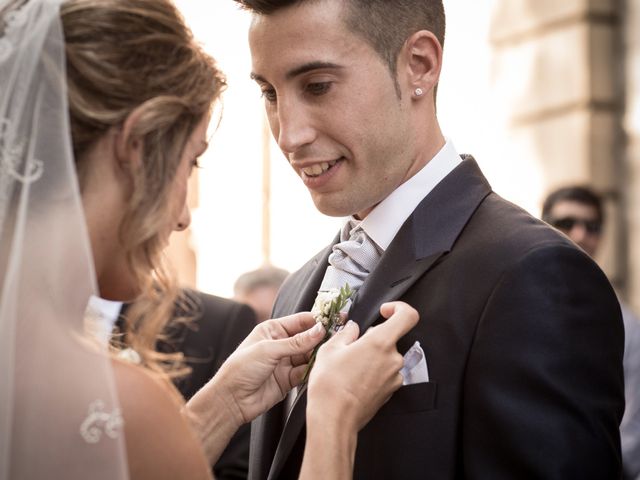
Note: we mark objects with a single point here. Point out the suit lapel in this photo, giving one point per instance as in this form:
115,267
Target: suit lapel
290,434
297,300
300,297
427,235
397,271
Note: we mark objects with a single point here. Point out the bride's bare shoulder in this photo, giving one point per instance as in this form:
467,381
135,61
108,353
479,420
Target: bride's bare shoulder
160,444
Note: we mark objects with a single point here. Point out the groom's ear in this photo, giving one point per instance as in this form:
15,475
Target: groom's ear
128,145
420,62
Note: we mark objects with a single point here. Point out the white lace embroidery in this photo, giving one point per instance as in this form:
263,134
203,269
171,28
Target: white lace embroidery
5,49
13,21
99,422
11,151
10,155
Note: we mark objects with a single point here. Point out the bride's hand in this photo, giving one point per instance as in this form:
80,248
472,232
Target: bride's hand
353,377
268,363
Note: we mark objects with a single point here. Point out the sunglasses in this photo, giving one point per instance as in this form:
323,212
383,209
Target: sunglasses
566,224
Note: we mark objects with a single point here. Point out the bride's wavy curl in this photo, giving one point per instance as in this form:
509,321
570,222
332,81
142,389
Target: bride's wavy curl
117,62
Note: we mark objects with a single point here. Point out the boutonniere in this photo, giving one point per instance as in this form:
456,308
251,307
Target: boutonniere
327,310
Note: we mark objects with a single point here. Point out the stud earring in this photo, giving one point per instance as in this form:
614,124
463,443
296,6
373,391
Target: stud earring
418,91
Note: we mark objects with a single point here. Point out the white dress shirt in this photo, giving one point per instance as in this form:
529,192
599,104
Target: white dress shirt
101,316
384,221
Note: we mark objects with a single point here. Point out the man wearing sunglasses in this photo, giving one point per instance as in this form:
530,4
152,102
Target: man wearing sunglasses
578,212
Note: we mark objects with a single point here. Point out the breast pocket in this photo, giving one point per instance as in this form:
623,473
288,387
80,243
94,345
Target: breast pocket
419,397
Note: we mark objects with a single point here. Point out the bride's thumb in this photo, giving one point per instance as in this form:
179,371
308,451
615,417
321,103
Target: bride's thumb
300,343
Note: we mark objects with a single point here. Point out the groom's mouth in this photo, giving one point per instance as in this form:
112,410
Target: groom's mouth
318,169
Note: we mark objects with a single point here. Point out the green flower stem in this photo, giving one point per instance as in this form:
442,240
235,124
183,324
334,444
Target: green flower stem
333,319
312,360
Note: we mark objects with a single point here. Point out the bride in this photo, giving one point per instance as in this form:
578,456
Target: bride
104,109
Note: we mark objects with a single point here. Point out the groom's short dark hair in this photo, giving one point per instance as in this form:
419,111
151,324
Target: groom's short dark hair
384,24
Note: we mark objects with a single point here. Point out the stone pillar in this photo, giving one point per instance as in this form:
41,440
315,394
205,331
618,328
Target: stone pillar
632,130
557,76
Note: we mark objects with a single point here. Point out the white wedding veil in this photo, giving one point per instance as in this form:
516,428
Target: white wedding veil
59,413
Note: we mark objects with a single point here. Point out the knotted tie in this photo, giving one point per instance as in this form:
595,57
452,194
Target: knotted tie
352,259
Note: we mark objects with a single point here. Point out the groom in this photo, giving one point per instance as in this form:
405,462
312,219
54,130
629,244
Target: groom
521,331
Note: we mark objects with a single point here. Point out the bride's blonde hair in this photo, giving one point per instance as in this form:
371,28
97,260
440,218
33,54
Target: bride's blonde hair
125,55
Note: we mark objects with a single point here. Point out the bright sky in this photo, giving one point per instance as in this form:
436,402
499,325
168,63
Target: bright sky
227,226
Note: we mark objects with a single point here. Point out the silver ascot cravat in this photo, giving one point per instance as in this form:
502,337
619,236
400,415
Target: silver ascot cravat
352,259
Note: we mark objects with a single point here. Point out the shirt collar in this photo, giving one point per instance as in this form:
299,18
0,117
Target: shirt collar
384,221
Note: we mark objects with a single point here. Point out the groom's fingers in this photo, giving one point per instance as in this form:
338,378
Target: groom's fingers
401,318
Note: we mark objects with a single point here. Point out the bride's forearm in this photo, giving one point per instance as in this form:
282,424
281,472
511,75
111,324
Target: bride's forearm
211,414
329,451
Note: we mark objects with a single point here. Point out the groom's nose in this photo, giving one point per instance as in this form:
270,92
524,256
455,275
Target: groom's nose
291,125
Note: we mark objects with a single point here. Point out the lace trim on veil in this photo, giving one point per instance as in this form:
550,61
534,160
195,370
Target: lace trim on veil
99,422
11,150
33,200
13,20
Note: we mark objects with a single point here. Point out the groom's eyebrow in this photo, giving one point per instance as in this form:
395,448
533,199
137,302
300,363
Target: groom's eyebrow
309,67
301,69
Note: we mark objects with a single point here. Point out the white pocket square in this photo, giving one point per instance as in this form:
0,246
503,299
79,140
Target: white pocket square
415,366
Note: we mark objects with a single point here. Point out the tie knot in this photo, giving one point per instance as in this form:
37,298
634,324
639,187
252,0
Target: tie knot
350,229
352,259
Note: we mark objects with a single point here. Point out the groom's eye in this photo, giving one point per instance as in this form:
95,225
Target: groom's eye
318,88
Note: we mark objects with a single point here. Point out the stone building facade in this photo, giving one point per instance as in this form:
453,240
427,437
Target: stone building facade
568,74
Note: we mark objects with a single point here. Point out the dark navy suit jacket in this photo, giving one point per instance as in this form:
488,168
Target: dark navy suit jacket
523,338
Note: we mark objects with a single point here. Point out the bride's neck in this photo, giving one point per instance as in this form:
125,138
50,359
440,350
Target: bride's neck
103,197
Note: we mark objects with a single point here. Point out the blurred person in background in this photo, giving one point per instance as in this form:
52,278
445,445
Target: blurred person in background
205,330
578,212
258,289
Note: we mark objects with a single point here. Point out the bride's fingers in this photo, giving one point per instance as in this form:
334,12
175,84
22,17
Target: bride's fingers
284,327
301,359
297,374
296,323
297,345
346,335
401,318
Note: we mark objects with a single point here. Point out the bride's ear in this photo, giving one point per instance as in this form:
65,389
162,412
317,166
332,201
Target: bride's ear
129,146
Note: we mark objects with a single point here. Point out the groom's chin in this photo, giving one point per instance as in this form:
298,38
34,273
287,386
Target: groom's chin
331,207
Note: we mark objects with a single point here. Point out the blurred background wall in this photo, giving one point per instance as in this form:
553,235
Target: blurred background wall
543,93
567,73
